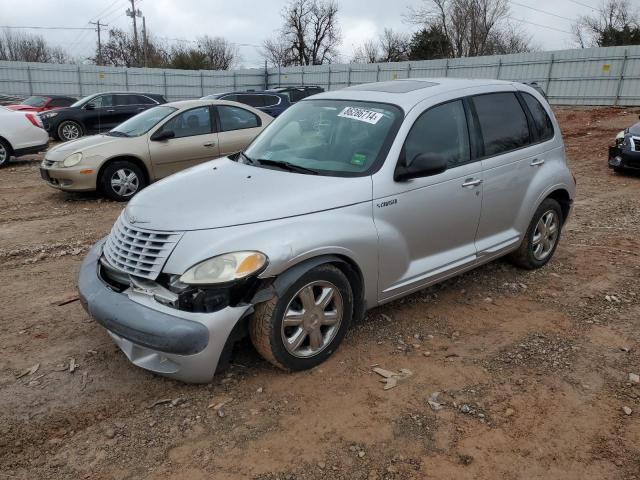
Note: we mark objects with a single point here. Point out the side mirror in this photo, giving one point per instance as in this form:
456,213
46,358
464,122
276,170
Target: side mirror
90,106
161,135
423,165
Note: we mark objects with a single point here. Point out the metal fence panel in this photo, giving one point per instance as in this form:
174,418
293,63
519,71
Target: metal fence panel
592,76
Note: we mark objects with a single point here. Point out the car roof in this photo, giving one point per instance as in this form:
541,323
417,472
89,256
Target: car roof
406,93
184,104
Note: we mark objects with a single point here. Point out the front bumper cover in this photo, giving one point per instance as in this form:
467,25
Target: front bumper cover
182,345
623,158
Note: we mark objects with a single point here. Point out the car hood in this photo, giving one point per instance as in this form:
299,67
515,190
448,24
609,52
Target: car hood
224,193
635,129
83,144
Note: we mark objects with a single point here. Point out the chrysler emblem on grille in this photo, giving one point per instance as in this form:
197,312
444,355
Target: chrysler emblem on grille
133,220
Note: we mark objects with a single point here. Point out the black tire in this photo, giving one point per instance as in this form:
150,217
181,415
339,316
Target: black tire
116,170
525,256
5,153
63,132
266,325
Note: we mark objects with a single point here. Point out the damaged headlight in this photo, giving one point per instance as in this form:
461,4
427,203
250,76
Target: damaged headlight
225,268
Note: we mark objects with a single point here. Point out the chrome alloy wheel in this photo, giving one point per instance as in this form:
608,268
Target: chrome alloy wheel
4,154
312,319
545,235
70,131
125,182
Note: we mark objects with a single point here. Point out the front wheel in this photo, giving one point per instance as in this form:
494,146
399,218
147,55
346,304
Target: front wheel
121,180
304,326
69,130
541,239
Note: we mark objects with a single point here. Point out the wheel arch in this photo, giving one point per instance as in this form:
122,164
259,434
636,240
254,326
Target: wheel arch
561,196
6,140
127,158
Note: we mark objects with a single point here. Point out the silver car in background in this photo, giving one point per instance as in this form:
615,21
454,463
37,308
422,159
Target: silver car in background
348,200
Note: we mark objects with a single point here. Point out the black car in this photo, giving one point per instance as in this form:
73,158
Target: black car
97,113
625,154
271,103
298,93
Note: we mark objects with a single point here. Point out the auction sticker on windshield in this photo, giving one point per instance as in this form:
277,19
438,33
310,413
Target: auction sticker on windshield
361,114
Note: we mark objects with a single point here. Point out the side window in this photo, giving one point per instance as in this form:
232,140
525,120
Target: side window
503,123
441,130
59,102
124,100
541,121
103,101
196,121
230,98
234,118
271,100
297,95
142,100
252,100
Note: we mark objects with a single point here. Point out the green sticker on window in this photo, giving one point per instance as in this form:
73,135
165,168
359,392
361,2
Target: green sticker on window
358,159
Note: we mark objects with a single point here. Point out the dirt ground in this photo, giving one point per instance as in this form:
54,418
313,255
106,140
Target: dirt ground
532,367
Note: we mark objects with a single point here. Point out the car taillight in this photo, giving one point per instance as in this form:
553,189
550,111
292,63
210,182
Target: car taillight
34,120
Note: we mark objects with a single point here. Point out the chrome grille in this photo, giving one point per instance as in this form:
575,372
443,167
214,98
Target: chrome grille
138,252
636,143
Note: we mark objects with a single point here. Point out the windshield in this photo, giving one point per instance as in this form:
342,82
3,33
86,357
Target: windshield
35,101
143,122
330,137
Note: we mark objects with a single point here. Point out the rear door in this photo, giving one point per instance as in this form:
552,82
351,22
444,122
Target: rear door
103,116
427,226
237,128
195,141
509,164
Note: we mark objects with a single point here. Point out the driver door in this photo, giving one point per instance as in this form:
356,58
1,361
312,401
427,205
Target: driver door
427,226
195,141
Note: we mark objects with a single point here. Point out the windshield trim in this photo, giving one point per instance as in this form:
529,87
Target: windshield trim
382,153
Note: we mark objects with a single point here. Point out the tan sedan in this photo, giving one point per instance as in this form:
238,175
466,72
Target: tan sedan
152,145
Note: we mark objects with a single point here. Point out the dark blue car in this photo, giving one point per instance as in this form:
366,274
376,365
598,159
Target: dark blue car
271,103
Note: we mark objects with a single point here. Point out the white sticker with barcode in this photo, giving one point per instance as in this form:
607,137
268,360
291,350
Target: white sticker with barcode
361,114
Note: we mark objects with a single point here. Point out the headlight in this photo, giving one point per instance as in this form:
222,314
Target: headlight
225,268
49,115
72,160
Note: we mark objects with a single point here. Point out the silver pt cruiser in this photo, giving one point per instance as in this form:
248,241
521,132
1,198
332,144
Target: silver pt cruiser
350,199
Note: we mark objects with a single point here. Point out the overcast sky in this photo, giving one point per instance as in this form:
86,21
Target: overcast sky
249,22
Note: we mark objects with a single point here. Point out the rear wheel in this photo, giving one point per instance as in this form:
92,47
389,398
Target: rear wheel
69,130
5,153
304,326
541,239
121,180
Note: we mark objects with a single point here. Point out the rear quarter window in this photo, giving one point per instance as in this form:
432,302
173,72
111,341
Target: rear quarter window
542,124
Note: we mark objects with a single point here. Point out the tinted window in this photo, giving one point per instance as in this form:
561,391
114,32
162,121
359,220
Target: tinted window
196,121
270,100
230,98
296,95
502,122
541,121
440,131
124,100
234,118
102,101
252,100
60,102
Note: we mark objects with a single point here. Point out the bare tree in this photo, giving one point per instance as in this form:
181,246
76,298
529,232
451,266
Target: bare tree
29,48
219,53
366,53
309,35
614,23
472,27
394,46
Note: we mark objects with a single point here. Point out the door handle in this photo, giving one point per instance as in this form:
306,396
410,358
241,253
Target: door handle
536,162
210,144
110,111
472,182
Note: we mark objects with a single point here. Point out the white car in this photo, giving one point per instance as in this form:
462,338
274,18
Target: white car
20,134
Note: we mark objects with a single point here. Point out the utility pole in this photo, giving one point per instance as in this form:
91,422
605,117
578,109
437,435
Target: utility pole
144,40
133,13
98,27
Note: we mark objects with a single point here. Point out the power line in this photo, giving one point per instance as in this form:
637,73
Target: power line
45,28
583,4
543,11
540,25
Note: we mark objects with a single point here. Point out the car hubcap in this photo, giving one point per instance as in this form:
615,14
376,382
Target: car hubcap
3,154
312,319
70,131
125,182
545,235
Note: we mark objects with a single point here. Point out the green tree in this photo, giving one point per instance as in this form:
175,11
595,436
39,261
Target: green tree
429,43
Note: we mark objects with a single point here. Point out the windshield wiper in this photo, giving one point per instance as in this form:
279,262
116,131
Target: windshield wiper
251,160
292,167
117,133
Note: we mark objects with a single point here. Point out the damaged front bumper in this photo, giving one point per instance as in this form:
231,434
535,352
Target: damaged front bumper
623,158
183,345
